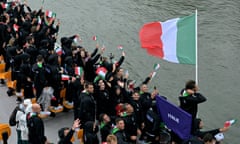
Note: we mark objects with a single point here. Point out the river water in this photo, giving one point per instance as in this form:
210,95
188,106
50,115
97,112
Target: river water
118,22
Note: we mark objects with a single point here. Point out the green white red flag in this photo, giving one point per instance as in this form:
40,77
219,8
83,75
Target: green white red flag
78,71
156,67
120,47
15,27
5,5
50,14
65,77
94,38
173,40
101,71
58,51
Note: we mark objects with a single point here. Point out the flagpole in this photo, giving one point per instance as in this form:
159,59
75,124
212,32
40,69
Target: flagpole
196,46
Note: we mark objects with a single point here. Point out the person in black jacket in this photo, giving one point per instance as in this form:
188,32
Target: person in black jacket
54,77
198,125
103,99
35,126
90,133
105,126
145,99
131,126
77,88
65,134
137,108
87,106
26,76
119,131
39,75
151,126
189,98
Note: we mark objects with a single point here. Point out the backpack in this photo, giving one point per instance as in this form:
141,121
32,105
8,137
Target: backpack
12,118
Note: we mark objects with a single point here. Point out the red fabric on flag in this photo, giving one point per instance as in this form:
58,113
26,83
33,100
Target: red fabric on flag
150,38
101,69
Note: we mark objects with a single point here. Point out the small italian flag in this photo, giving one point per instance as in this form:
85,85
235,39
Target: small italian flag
50,14
101,71
230,122
120,47
65,77
78,71
58,51
156,67
5,5
77,39
173,40
94,38
15,27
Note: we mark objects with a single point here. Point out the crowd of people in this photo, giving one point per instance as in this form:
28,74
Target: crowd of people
104,99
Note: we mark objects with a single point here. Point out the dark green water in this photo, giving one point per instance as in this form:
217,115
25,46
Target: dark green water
118,22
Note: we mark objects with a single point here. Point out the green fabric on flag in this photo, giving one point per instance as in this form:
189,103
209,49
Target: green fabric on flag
186,41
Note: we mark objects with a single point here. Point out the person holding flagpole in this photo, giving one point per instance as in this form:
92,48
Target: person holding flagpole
190,98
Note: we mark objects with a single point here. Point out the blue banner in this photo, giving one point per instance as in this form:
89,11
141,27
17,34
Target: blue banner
175,118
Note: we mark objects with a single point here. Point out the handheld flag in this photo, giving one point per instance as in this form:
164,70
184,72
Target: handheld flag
156,67
65,77
94,38
101,71
78,71
77,39
15,27
230,123
5,5
120,47
58,51
173,40
50,14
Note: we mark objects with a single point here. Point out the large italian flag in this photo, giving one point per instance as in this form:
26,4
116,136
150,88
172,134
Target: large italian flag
173,40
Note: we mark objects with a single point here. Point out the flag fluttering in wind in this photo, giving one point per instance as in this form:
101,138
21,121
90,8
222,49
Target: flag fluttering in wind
5,5
78,71
173,40
120,47
58,51
65,77
94,38
77,39
101,71
15,27
156,66
50,14
230,123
